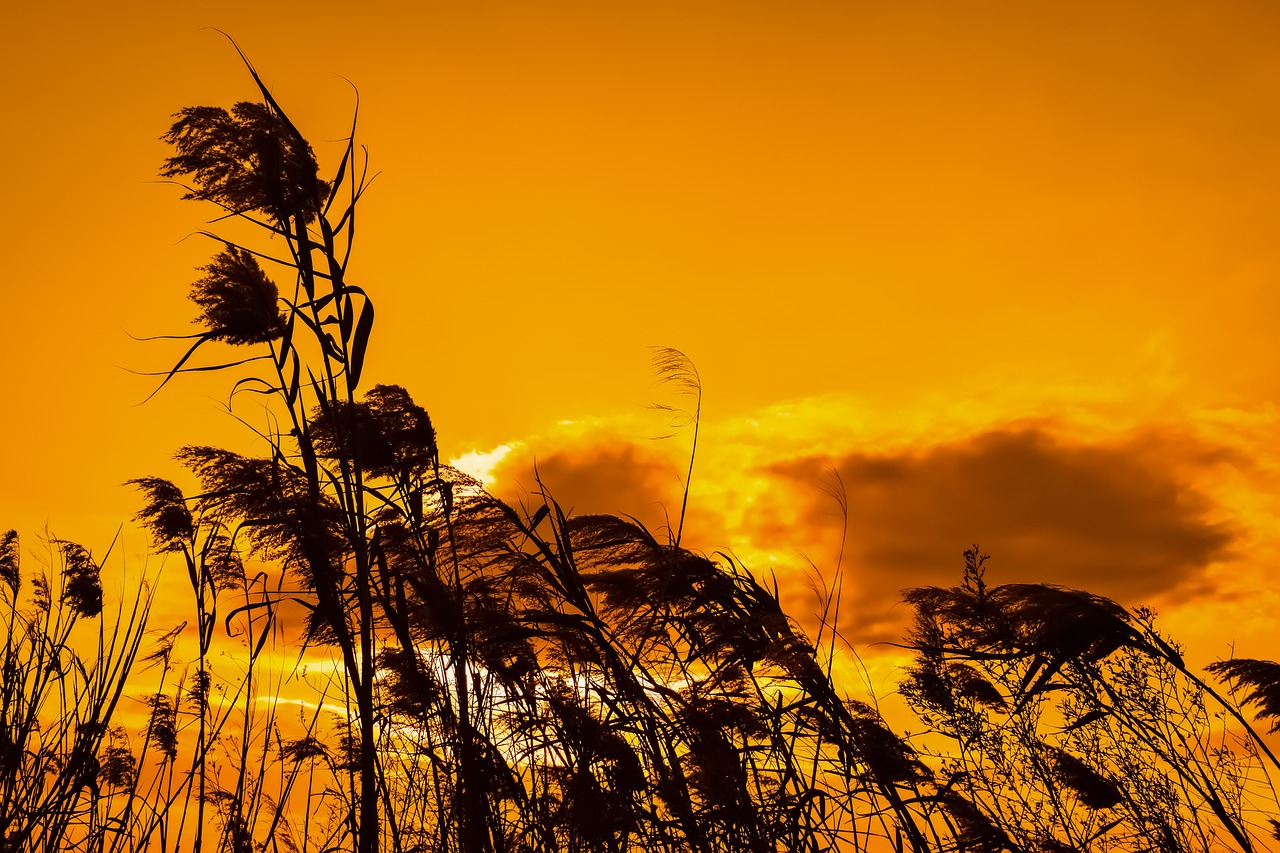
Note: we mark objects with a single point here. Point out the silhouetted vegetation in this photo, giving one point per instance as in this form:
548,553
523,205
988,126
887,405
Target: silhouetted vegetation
519,679
1069,723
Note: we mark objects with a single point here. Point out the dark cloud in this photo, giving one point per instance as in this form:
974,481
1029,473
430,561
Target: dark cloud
1122,519
599,475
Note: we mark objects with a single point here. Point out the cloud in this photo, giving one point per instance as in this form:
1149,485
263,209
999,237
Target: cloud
1120,518
1136,513
597,473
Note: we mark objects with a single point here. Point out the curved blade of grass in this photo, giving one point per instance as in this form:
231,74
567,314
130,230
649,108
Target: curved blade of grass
360,343
347,155
262,87
204,338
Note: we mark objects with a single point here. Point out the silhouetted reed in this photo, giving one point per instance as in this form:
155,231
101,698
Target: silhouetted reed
514,679
492,678
64,670
1069,723
526,680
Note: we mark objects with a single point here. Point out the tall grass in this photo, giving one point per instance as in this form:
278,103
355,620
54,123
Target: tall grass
1068,722
61,760
485,677
514,679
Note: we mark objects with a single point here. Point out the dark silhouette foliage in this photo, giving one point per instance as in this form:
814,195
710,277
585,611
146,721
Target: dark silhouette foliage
165,514
1074,724
59,755
240,304
248,159
9,572
82,582
1260,681
501,678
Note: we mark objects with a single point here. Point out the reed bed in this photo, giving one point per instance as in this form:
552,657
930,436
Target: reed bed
381,655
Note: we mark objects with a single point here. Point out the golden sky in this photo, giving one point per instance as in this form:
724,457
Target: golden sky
1009,268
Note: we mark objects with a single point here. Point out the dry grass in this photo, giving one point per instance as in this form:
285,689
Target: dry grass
515,679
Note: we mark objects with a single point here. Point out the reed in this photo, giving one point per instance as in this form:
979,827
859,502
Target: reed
484,677
65,666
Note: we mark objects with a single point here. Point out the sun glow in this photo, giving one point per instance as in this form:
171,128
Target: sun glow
481,464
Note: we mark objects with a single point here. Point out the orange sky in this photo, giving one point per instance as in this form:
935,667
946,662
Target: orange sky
1010,267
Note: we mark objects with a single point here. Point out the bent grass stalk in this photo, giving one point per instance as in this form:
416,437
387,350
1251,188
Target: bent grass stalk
528,680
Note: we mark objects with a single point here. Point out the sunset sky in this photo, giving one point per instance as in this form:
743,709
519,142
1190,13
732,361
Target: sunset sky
1010,269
